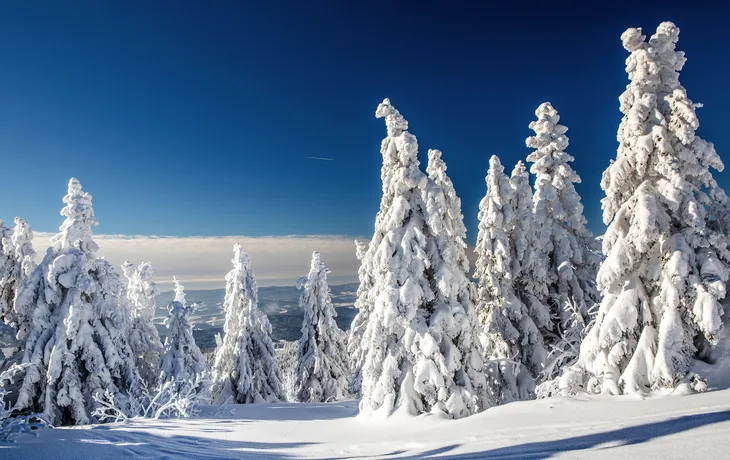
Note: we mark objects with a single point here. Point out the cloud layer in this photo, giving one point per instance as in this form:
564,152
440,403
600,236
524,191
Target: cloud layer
202,262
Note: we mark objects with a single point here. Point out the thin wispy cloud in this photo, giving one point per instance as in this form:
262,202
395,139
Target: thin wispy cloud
319,158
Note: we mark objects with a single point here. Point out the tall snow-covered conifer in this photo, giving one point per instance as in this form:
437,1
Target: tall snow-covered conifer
179,292
666,246
564,242
322,365
366,254
419,339
8,316
17,262
245,368
453,287
182,360
453,217
530,285
7,284
145,340
78,344
511,341
359,323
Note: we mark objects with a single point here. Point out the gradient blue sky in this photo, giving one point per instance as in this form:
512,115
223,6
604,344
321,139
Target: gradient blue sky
197,118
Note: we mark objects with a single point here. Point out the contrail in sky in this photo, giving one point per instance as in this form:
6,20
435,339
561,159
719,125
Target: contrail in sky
320,158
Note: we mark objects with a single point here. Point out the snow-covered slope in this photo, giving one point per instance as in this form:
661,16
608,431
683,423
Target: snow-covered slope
597,427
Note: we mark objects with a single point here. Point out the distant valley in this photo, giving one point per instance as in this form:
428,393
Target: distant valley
281,304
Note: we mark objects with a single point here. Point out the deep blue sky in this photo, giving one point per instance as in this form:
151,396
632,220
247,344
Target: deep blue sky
196,118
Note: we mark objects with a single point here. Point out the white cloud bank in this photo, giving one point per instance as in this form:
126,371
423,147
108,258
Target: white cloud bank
202,262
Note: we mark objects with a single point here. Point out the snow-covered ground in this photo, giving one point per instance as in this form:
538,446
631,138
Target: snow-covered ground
695,426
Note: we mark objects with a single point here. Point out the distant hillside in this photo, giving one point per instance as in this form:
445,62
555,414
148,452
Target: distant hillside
279,302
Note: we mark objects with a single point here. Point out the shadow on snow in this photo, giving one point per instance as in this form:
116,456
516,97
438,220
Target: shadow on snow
622,437
103,442
281,411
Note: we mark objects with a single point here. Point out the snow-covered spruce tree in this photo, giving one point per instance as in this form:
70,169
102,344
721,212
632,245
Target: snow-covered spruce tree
20,242
453,218
78,344
366,254
182,360
530,277
453,287
286,357
565,243
7,285
530,282
17,261
418,342
453,227
245,369
145,340
322,364
510,339
179,292
666,246
359,323
7,297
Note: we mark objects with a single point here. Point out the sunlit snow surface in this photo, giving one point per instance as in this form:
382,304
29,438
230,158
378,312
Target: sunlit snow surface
597,427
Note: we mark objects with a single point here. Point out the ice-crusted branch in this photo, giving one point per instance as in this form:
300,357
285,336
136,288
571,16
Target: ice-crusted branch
13,426
172,399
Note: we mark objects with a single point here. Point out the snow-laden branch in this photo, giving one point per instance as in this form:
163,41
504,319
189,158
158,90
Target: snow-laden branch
172,399
12,426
